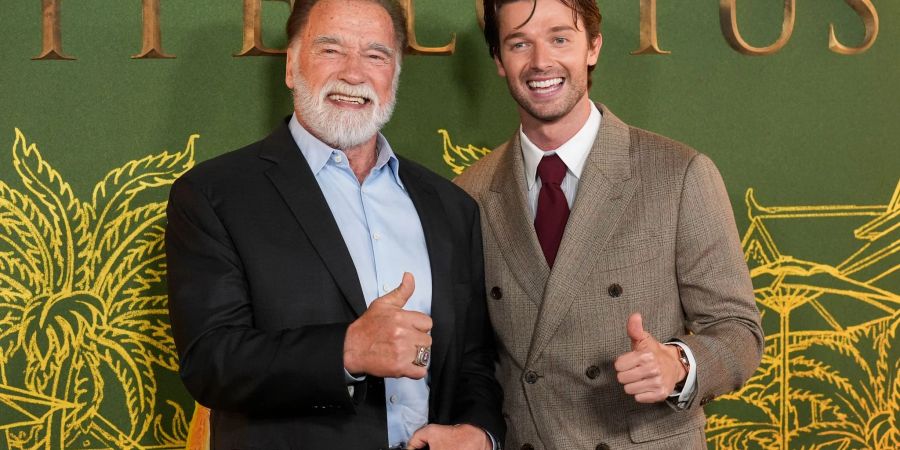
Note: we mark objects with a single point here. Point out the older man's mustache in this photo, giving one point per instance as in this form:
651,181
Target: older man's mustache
349,93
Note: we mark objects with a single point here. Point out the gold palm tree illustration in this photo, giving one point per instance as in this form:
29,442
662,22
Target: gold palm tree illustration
83,318
828,377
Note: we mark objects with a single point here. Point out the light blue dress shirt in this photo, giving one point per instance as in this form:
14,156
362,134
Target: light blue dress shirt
381,228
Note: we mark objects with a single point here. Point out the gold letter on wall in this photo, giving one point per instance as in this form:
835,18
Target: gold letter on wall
728,21
52,37
253,45
414,48
869,15
649,43
151,37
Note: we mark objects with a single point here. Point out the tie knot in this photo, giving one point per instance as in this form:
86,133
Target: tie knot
551,169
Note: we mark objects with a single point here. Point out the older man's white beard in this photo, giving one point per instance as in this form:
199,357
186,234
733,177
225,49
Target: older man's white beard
341,128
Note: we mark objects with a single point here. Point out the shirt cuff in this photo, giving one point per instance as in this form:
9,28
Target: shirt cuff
350,379
682,398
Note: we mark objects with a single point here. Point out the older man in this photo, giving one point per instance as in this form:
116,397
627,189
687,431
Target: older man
618,288
285,259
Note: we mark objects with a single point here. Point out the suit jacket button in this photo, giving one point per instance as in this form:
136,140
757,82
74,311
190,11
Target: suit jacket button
602,446
614,290
592,372
527,446
531,377
496,293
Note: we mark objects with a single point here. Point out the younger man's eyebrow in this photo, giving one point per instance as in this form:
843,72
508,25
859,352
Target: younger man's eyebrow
559,28
515,35
556,29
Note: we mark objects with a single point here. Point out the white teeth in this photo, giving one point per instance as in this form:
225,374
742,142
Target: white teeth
545,83
347,99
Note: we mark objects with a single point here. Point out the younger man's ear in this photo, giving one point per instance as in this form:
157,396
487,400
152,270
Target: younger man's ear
500,70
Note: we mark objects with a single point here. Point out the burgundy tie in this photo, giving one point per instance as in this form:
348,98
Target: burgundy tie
552,208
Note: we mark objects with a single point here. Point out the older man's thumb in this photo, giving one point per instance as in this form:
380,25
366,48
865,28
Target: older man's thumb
402,293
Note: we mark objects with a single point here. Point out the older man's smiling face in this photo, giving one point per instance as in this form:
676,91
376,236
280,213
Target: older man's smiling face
344,70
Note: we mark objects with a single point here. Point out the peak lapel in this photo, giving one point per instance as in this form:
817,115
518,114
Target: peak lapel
507,211
296,183
604,191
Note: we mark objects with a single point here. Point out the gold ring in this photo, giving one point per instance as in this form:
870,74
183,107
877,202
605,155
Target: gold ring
423,354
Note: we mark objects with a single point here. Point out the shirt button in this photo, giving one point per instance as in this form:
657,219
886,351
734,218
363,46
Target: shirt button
376,235
338,158
385,288
393,399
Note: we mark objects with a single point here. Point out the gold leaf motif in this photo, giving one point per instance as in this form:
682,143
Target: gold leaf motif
58,203
135,240
459,158
25,232
112,197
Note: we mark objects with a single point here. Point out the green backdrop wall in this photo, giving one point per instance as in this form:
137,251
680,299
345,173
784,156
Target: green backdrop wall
806,139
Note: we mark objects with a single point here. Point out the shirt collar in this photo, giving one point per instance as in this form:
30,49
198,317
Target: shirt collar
318,154
573,152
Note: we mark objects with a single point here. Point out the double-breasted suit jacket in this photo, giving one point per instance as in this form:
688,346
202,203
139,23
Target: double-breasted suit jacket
262,289
651,231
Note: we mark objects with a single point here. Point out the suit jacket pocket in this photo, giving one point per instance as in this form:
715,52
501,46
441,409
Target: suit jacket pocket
626,251
661,421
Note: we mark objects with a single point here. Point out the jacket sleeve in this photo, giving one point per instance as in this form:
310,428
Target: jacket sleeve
226,363
714,286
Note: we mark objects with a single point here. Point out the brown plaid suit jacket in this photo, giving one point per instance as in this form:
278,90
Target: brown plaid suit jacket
651,231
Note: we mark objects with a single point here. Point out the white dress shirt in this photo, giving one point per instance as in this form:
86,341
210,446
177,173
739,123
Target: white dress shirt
574,153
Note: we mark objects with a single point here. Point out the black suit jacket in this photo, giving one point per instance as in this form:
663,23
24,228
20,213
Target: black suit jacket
262,289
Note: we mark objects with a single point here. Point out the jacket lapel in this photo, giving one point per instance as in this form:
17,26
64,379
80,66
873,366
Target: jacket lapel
604,191
508,214
295,182
433,219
